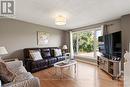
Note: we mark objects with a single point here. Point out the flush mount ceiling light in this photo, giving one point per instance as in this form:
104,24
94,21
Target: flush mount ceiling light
60,20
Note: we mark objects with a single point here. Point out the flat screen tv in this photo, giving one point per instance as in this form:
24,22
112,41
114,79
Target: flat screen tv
101,45
110,45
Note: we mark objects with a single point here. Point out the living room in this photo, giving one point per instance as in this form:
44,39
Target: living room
60,44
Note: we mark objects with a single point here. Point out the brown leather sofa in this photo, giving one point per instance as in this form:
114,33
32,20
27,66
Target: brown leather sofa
48,59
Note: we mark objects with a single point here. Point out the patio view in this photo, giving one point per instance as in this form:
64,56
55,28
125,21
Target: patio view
85,43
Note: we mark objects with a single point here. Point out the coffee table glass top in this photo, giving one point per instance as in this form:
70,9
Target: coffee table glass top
65,63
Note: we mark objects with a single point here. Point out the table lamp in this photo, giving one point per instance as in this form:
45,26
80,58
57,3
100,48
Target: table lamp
3,51
64,48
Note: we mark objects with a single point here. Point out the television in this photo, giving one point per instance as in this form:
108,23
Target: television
110,45
101,45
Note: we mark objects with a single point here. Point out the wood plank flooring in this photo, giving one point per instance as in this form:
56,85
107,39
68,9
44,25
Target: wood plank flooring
87,76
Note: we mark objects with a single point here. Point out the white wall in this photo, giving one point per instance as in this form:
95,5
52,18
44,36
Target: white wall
125,24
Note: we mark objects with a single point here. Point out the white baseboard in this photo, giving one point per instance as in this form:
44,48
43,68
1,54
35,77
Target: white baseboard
88,62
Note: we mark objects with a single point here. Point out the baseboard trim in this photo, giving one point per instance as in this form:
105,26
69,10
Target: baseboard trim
88,62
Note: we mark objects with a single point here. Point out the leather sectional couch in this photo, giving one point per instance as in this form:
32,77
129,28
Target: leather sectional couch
48,59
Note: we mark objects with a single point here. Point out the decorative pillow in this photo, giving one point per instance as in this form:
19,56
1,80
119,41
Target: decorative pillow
16,67
35,54
46,52
57,52
6,75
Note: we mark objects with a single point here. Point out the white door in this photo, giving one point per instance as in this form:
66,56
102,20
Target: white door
127,70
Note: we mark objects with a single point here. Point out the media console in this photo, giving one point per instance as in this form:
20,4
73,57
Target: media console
112,67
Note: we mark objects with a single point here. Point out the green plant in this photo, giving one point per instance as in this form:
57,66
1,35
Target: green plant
85,41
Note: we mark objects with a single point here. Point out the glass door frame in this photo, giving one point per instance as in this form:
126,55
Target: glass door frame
88,30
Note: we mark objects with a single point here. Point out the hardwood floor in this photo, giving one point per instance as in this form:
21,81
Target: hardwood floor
87,76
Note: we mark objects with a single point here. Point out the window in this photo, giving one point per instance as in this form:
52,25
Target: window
85,43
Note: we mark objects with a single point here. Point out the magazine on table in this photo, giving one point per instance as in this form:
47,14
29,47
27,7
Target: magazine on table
62,63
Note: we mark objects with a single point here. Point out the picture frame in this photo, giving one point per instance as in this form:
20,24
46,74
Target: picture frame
42,38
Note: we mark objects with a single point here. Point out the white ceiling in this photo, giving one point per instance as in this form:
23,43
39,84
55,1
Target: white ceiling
79,12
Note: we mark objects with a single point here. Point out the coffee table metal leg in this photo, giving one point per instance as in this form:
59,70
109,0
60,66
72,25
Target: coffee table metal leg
75,69
55,71
61,69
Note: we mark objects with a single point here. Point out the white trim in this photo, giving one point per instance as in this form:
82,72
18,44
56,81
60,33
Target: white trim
88,62
71,45
98,28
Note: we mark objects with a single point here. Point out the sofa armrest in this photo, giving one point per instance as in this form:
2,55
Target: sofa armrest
28,63
33,82
28,60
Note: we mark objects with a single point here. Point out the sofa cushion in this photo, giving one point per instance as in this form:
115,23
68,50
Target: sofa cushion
52,60
35,55
6,75
45,53
39,63
57,52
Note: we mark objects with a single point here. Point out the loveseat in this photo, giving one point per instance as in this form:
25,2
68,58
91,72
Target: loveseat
48,58
22,78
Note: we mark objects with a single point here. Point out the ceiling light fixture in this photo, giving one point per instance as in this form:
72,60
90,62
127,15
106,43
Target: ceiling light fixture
60,20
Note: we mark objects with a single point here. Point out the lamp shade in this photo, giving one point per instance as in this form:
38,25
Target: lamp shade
65,47
3,51
60,20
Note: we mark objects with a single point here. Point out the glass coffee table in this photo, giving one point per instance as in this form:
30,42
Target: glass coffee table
59,66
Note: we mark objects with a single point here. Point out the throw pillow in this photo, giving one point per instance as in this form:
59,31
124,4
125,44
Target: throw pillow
57,52
36,55
16,67
46,53
6,75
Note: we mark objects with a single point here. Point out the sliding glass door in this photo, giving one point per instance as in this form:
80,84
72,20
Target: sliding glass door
85,43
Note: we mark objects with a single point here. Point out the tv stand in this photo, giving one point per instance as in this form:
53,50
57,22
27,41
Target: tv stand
112,67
